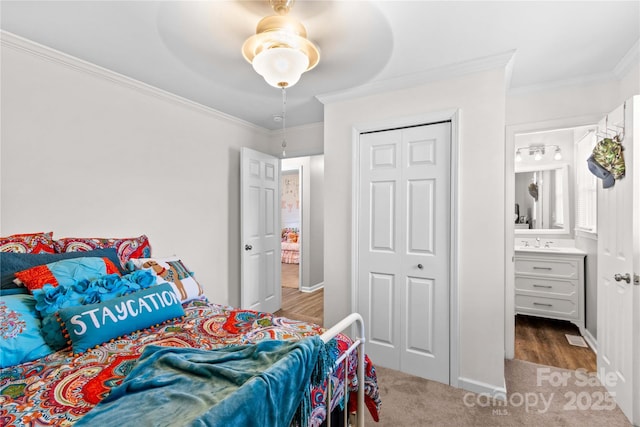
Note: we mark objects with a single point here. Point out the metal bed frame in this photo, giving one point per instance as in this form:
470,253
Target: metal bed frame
354,319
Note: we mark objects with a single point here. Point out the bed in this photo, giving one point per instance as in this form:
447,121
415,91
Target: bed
290,246
94,374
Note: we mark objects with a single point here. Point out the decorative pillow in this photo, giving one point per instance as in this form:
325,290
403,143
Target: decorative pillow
32,243
127,248
173,271
94,324
67,272
50,299
10,263
290,235
52,334
20,330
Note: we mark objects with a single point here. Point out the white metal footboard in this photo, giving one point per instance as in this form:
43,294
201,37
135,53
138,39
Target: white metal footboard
358,344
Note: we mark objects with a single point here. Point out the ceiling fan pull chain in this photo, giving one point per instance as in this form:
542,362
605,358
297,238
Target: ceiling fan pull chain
284,119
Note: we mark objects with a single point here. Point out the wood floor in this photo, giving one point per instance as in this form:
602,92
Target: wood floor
290,273
537,339
543,341
304,306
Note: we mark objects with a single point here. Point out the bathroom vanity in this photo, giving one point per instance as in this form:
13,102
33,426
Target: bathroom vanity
549,282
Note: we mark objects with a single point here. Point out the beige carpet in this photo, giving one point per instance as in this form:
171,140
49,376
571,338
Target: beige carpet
412,401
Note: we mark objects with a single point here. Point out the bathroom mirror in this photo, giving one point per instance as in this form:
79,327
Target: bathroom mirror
541,199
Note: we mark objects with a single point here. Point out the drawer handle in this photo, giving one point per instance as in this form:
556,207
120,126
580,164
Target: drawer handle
545,305
541,268
543,286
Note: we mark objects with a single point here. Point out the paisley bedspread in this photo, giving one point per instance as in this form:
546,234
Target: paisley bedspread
60,388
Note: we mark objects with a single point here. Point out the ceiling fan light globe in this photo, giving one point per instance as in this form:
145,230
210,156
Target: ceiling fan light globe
281,67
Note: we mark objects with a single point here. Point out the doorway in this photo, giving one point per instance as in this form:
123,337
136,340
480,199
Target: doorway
554,294
302,235
291,222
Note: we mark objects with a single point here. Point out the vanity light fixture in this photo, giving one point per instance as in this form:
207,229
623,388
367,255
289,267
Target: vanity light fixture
538,152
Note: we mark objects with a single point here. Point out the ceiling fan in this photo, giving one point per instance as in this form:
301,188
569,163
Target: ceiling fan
280,51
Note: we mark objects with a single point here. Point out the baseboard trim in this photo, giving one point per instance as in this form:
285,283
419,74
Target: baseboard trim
309,289
497,392
593,343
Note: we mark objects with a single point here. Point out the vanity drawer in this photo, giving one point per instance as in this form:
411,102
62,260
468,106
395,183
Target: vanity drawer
544,285
547,267
553,307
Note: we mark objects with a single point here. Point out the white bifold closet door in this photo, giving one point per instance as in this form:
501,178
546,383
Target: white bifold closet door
404,247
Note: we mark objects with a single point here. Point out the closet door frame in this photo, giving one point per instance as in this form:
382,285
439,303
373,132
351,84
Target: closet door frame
452,115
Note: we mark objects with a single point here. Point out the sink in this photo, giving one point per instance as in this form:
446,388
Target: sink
529,248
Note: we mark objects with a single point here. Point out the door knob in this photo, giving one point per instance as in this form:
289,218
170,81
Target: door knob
619,277
248,247
420,266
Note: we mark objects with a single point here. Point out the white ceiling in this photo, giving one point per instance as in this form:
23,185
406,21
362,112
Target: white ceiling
192,48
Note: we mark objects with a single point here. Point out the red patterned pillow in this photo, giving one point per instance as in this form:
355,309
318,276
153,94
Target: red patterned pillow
130,247
30,243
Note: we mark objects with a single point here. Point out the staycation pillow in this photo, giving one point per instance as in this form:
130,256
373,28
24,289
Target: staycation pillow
11,262
50,299
94,324
67,272
173,271
30,243
127,248
20,331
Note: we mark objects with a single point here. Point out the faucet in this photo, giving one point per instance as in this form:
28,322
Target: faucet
525,243
547,244
537,242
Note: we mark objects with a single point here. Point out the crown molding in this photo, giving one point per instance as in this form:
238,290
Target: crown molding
508,71
631,58
24,45
407,81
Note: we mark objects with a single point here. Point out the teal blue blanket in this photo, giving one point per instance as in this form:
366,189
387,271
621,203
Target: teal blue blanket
251,385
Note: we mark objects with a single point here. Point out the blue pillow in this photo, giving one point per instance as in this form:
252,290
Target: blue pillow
93,324
11,262
20,330
84,292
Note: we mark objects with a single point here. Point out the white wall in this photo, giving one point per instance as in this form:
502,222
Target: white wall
589,244
480,98
89,153
630,83
316,232
563,102
306,140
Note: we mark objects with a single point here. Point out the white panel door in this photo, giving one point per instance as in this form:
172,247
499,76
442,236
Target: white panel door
618,243
404,248
260,231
